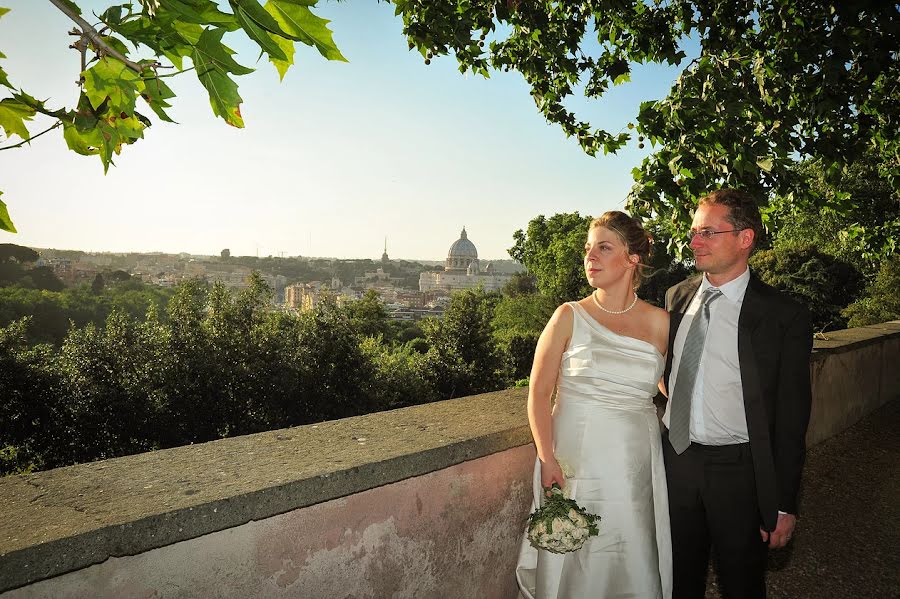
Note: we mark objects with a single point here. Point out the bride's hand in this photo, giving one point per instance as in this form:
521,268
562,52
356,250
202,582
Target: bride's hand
552,473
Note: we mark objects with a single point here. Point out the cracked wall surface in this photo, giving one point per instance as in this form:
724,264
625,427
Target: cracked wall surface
451,533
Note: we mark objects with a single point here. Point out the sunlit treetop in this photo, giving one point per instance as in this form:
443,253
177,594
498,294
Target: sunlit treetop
775,81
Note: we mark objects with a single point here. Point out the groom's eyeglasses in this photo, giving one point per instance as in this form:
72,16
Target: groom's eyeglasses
707,234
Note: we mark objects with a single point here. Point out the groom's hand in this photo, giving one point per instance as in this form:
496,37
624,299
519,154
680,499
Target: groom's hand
784,528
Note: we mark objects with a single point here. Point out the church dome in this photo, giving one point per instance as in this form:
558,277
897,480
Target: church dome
462,253
462,247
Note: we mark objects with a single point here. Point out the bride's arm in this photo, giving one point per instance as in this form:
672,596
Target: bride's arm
544,372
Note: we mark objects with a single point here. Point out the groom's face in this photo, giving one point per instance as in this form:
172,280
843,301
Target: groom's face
722,253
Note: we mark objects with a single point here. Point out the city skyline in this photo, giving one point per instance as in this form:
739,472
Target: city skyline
332,160
385,248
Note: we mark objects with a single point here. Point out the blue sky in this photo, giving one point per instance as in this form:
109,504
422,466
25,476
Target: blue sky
333,159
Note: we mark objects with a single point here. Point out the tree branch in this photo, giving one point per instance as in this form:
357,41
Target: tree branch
25,141
96,38
174,74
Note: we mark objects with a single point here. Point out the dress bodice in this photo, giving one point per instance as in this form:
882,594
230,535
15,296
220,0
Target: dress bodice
601,365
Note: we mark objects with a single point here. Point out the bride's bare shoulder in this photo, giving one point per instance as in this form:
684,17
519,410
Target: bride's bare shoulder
562,316
658,322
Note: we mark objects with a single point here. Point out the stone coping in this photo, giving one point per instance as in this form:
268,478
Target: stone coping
69,518
835,342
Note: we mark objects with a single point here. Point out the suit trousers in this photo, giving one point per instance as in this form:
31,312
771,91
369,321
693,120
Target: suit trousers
713,505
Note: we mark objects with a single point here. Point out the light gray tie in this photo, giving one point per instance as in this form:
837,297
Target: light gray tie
683,393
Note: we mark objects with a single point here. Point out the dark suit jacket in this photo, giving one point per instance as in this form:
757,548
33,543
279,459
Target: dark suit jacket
774,345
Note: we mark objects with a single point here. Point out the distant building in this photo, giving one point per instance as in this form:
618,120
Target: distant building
462,270
97,259
378,280
305,296
62,268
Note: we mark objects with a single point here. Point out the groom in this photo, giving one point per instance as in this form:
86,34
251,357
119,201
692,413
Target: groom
739,400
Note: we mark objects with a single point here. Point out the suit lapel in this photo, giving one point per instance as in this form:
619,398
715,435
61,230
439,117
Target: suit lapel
752,313
681,299
752,309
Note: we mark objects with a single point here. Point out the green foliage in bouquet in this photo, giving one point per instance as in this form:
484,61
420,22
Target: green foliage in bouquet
561,525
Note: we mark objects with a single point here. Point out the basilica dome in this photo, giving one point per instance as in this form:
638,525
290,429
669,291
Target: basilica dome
462,253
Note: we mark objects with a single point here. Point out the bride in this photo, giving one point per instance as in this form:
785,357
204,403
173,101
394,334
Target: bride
604,355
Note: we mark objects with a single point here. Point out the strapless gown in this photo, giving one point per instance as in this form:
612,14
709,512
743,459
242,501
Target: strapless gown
605,430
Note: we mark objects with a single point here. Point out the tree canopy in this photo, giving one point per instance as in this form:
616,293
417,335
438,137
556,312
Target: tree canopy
774,80
552,250
859,219
18,253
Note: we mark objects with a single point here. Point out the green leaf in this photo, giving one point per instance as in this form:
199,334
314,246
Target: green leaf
619,71
623,78
260,35
6,223
128,130
251,10
211,52
287,46
3,77
298,21
116,44
109,141
113,14
111,79
213,62
85,117
189,32
86,143
116,132
223,95
156,92
3,11
765,164
72,6
202,12
13,115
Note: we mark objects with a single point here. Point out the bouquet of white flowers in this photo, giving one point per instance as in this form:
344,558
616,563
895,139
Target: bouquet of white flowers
561,525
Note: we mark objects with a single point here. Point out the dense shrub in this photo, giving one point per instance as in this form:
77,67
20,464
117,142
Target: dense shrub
881,301
219,364
824,283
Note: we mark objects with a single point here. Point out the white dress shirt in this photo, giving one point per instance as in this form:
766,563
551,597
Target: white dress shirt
717,406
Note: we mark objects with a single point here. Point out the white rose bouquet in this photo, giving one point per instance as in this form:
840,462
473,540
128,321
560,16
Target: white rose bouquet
561,525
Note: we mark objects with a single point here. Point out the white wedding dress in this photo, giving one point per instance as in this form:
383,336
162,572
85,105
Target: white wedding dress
605,431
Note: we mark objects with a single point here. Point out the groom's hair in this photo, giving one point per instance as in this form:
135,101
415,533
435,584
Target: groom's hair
743,211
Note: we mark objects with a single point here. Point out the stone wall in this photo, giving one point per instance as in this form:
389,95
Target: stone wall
853,372
427,501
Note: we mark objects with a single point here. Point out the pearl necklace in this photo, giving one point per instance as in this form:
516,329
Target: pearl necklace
608,311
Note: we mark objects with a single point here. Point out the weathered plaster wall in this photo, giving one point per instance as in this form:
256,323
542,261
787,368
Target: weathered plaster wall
444,534
853,372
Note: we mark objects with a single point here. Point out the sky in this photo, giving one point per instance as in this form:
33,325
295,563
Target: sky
332,161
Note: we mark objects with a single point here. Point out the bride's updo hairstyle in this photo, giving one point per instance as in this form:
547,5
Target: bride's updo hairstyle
633,235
